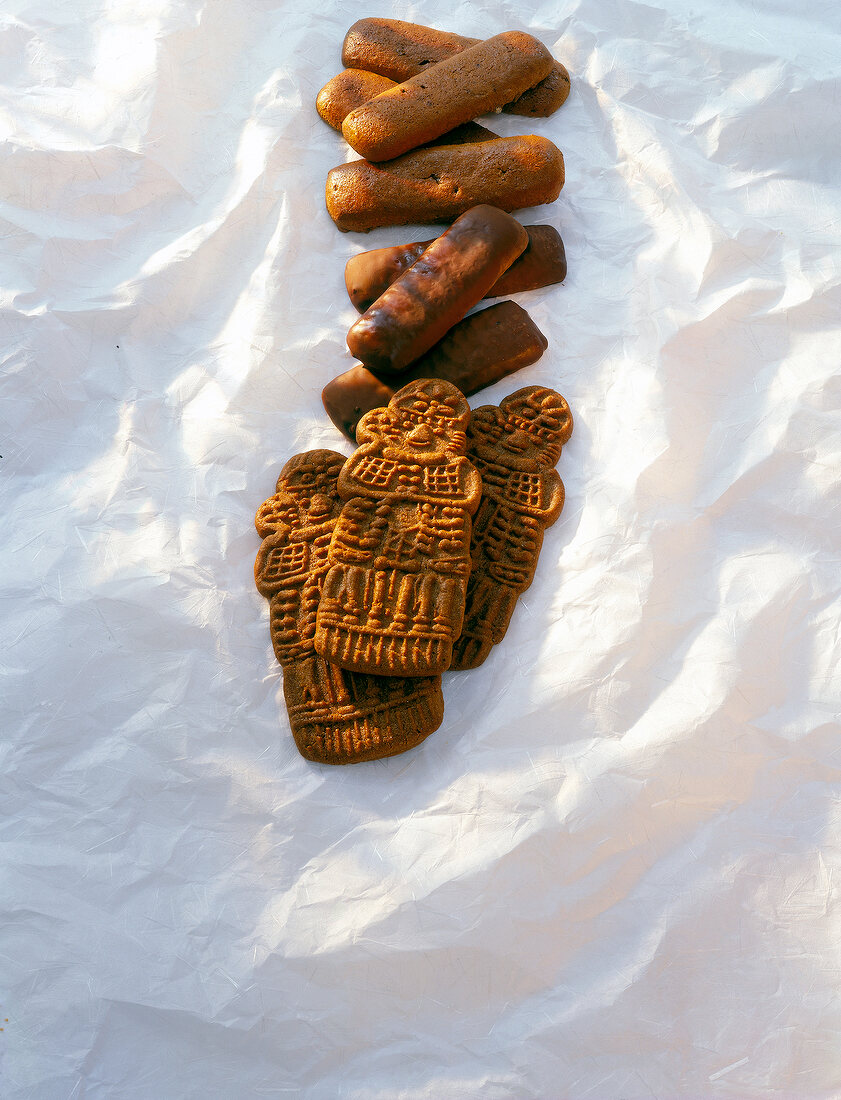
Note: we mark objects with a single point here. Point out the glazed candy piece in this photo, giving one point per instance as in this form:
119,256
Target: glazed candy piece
515,448
456,90
336,717
478,351
448,279
438,184
393,600
351,88
542,263
399,50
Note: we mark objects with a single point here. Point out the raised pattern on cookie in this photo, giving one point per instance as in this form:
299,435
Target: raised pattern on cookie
336,717
515,448
393,600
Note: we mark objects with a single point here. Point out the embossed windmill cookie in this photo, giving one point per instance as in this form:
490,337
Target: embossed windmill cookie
337,717
515,448
393,600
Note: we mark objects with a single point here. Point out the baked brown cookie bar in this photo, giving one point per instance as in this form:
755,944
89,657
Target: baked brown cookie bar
352,87
515,448
461,88
336,717
438,184
478,351
347,90
393,599
446,281
399,50
542,263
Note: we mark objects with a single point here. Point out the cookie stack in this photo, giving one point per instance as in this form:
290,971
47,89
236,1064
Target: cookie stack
378,578
386,569
406,103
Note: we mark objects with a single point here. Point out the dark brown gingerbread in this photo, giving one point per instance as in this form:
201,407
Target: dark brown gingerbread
439,183
542,263
478,351
393,599
480,79
515,448
399,50
446,281
337,717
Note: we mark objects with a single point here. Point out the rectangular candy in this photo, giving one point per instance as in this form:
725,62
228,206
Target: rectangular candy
456,90
392,603
438,184
336,717
515,447
399,50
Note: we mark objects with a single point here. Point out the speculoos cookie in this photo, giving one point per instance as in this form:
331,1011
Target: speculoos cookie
336,717
393,600
515,447
428,298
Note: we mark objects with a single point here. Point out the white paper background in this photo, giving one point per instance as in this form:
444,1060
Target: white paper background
613,872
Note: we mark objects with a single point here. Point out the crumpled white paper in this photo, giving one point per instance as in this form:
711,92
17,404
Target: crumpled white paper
613,872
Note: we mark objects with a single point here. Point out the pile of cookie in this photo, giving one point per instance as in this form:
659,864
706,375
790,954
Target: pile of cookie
386,569
408,87
380,578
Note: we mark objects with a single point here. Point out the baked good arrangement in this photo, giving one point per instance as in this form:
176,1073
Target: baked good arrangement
388,568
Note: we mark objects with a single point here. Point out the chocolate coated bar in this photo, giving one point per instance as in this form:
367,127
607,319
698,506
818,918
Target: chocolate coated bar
368,274
477,352
446,281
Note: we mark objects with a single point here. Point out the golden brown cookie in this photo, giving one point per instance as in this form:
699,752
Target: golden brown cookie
446,281
456,90
439,183
478,351
336,717
515,448
401,50
352,87
393,599
542,263
346,91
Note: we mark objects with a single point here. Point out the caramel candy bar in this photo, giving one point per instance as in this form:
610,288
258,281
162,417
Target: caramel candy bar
438,184
352,87
368,274
401,50
447,280
515,448
393,600
336,717
475,353
468,84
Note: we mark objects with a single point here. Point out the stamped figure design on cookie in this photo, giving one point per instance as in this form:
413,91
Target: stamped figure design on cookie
337,717
515,447
393,600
